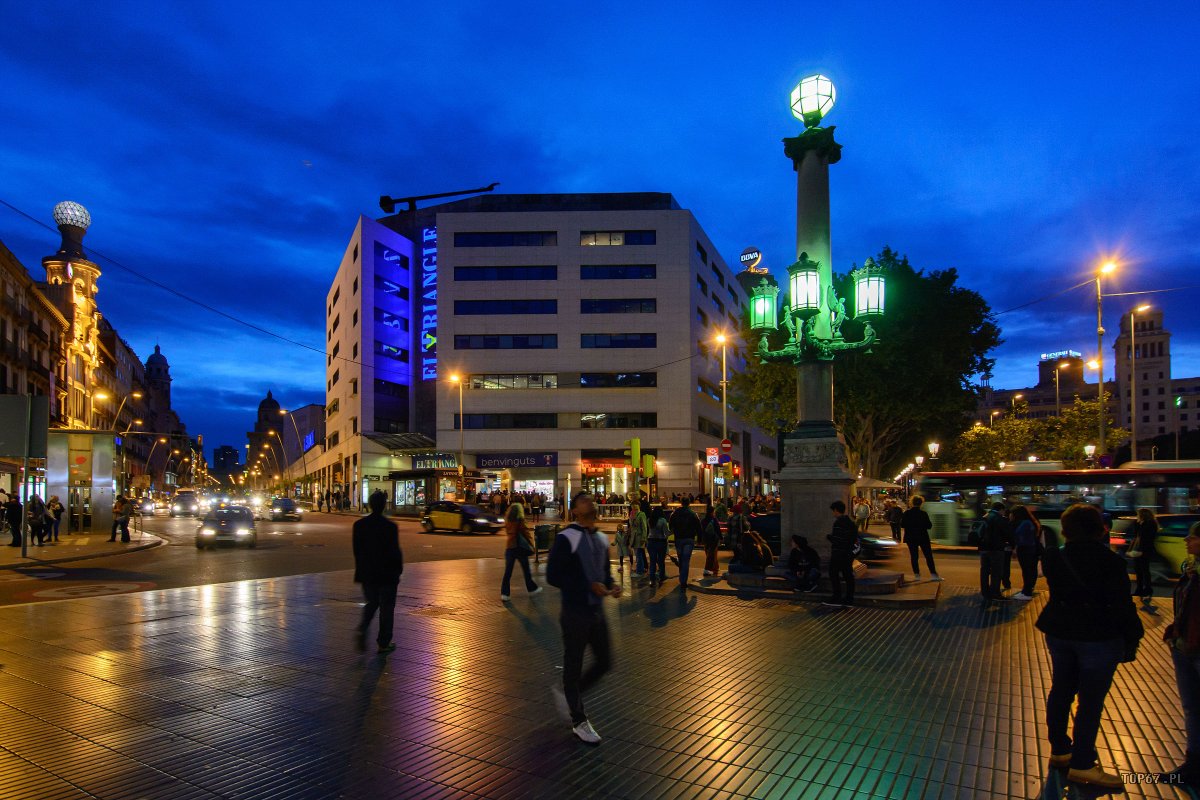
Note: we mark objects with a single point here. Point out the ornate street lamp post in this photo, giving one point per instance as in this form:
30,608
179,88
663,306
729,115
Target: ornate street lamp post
815,471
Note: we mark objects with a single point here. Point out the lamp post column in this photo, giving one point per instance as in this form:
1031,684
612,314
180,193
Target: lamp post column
1133,403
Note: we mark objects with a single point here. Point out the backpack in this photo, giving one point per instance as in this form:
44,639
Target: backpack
661,529
995,534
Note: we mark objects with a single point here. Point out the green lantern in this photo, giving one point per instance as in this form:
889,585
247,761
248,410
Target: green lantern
804,283
869,289
812,99
763,303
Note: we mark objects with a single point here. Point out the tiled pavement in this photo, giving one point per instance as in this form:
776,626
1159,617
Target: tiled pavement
253,690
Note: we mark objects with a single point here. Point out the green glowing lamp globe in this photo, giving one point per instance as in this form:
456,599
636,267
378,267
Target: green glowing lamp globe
812,98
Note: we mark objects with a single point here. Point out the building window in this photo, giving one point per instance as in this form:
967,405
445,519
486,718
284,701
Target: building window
390,320
353,386
701,317
469,308
617,380
503,421
355,322
717,302
1161,390
609,419
1161,406
529,341
336,374
546,273
700,251
767,452
336,348
354,426
706,425
390,288
591,238
618,340
703,286
515,381
717,274
354,258
391,351
336,321
617,272
631,305
506,239
356,277
706,388
333,439
336,294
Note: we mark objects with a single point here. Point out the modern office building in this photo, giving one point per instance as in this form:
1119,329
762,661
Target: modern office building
1049,395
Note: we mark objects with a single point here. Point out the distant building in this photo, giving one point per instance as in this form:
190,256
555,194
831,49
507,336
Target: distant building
226,460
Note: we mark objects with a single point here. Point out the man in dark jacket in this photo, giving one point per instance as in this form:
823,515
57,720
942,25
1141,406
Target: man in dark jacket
917,524
578,565
14,516
378,564
1183,636
995,541
686,527
842,539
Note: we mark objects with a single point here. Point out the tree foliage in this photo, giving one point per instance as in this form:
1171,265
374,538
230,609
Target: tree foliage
1015,438
915,384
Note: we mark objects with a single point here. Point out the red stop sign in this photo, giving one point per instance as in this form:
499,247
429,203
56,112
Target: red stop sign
726,446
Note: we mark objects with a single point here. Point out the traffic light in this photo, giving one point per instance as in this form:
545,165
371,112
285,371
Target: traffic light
1179,401
648,464
633,452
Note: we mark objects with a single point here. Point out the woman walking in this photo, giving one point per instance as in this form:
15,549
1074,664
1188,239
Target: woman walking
1145,532
710,537
639,532
1091,625
1027,536
36,511
56,509
517,547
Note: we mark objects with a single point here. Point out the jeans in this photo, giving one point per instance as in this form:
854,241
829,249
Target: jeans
1084,670
380,597
841,566
658,559
54,531
805,580
895,530
1145,583
582,627
1187,678
1028,559
683,550
640,554
515,555
991,571
927,549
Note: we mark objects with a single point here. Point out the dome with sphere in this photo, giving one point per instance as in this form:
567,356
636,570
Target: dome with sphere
71,213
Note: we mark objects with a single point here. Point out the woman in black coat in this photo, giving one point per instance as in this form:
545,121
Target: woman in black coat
1091,625
1145,532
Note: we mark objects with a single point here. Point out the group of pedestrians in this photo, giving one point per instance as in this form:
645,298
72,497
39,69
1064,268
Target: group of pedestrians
43,518
1001,535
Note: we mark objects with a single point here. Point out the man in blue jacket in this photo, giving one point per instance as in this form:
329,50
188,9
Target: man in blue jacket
578,565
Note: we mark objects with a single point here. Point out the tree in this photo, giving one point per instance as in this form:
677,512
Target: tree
915,383
1061,438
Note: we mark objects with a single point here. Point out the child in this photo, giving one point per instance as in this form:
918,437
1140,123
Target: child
623,550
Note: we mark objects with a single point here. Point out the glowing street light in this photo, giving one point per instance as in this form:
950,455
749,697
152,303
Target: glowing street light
1106,268
812,98
1057,401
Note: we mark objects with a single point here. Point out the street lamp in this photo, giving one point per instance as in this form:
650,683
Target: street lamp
299,443
992,418
283,450
934,447
813,317
724,400
1089,450
462,432
153,447
1014,400
1133,401
1057,396
120,408
1105,269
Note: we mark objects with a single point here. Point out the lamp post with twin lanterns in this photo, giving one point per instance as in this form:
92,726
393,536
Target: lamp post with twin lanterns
815,470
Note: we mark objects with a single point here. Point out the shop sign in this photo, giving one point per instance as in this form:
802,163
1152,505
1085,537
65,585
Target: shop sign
435,461
713,455
429,275
514,460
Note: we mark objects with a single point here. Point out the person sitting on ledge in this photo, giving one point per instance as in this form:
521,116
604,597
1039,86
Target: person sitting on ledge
804,565
753,555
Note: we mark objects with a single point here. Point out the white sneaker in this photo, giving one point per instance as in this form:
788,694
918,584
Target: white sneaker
1022,596
504,597
935,578
538,590
707,573
916,577
586,732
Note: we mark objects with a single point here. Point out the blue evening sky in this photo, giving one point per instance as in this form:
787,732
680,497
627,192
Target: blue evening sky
226,149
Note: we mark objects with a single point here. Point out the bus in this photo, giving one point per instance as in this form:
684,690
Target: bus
956,500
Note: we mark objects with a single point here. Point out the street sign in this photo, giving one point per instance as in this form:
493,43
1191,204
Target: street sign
712,455
725,459
726,446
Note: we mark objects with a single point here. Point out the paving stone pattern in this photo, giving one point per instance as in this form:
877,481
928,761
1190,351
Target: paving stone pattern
254,690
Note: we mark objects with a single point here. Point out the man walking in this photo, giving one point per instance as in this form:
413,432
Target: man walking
917,524
686,527
994,540
578,565
378,564
841,557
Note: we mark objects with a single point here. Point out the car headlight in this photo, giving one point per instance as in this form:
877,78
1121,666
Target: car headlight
207,532
179,508
482,520
242,532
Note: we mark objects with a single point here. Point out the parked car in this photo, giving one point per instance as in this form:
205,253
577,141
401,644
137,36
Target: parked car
285,508
185,504
1169,549
446,515
227,524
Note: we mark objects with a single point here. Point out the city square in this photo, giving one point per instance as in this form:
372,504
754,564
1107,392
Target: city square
794,420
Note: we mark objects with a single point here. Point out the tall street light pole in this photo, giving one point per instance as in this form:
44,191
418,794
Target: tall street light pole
299,443
1014,400
1057,393
1105,269
1133,401
724,402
